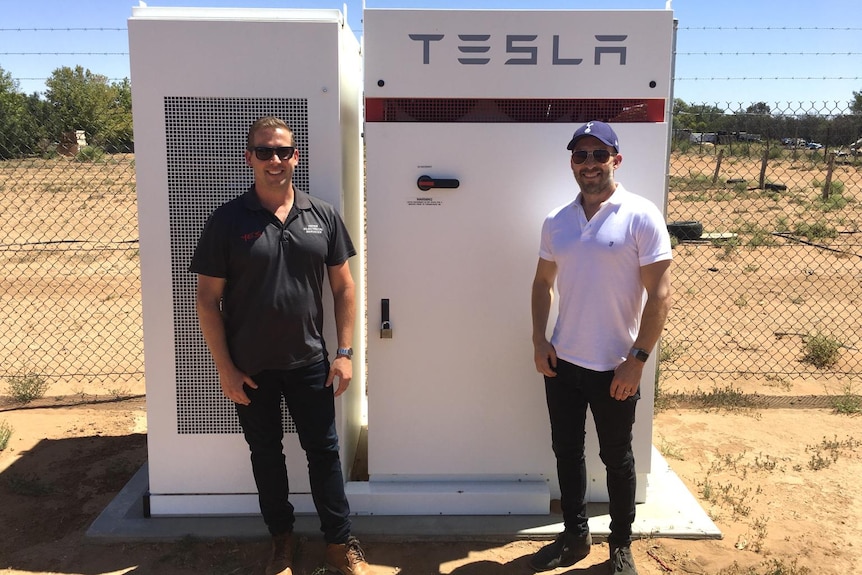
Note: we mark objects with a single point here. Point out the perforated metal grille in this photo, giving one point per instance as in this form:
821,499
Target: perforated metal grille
434,110
205,140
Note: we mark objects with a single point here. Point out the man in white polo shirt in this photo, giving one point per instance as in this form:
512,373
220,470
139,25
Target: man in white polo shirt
609,253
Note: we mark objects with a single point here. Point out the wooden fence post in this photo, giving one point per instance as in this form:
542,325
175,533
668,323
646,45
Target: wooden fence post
717,166
827,187
762,181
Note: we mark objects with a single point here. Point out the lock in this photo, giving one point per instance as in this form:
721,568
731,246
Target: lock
386,331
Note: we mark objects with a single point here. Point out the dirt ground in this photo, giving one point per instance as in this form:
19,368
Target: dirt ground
779,482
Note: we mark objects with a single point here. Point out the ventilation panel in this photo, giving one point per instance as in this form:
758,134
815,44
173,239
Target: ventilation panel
203,137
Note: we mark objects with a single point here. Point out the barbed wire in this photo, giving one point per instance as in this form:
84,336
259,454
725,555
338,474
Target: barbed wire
769,53
774,78
758,28
64,53
678,53
771,28
64,30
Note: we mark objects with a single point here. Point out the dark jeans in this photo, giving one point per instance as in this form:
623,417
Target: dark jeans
312,406
568,395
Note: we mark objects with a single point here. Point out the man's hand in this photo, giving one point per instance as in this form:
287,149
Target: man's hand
342,368
627,379
232,381
545,357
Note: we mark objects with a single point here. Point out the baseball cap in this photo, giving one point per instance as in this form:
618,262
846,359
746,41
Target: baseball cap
598,130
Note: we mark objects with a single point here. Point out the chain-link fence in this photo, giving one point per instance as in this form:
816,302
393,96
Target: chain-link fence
767,271
70,298
764,207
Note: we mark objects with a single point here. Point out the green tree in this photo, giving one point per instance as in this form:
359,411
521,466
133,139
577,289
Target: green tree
759,109
856,103
695,117
81,100
117,135
19,133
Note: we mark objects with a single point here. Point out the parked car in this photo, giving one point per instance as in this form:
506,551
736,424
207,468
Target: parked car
813,146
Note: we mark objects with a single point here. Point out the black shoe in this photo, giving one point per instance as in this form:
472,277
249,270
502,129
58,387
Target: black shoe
567,549
622,561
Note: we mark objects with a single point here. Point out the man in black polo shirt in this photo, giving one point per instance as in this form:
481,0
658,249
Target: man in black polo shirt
260,263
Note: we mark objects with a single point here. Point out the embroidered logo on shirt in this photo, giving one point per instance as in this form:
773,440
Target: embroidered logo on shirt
313,229
251,236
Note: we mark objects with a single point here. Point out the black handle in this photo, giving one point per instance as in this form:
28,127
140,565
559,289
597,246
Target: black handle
425,183
384,313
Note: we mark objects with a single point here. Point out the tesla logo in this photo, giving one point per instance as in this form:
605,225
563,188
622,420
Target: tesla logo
476,49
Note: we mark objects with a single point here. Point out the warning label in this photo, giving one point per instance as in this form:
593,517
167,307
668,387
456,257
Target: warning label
424,202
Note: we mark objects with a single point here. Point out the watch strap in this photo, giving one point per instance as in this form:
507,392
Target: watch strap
639,354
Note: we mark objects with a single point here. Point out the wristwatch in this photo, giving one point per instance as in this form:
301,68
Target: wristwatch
639,354
344,352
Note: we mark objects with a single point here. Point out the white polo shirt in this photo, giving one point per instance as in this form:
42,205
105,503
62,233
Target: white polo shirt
601,297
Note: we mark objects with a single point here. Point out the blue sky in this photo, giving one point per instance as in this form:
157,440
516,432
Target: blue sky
778,52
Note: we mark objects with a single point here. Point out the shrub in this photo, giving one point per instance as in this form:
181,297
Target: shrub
821,351
26,388
815,231
90,154
5,434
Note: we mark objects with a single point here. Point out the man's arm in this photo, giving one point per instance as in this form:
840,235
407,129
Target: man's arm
208,304
656,281
344,297
544,354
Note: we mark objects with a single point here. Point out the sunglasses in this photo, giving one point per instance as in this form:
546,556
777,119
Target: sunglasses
264,153
600,156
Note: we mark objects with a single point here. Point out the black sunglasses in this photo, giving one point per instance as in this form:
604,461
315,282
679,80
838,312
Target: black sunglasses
600,156
264,153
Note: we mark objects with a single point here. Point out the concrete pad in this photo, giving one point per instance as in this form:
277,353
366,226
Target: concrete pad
670,510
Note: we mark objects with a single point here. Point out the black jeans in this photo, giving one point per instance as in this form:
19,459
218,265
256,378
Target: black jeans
312,406
568,395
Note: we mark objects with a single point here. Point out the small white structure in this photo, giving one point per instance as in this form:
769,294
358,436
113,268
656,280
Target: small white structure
468,113
200,77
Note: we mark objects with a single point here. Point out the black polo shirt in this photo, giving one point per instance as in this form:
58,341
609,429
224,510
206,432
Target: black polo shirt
273,297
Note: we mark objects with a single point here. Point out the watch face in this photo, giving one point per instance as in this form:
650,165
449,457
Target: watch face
640,354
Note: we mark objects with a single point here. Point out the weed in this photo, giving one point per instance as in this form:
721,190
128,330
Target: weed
727,495
670,351
668,450
90,154
5,434
729,247
750,268
26,388
771,567
741,301
849,402
777,381
725,397
766,463
815,231
119,392
28,485
828,451
759,535
760,238
821,351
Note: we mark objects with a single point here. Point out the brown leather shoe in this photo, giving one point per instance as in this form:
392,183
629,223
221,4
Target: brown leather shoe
281,560
347,558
